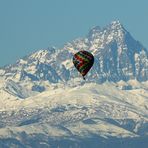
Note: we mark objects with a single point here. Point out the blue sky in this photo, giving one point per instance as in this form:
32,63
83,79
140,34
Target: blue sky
28,25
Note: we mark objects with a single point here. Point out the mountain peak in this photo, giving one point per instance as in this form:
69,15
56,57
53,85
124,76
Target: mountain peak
116,25
41,55
116,22
114,29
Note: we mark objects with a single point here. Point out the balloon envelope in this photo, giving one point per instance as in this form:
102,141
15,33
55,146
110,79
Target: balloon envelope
83,61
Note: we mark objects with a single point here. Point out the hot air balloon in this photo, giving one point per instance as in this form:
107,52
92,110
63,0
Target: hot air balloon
83,61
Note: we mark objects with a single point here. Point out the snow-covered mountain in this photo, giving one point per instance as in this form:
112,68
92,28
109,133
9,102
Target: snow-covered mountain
44,102
117,57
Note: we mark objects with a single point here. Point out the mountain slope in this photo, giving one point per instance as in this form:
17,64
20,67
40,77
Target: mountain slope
84,111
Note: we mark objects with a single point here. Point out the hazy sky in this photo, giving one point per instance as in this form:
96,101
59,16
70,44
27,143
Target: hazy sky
28,25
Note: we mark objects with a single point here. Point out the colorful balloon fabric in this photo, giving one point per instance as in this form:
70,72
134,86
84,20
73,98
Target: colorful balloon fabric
83,61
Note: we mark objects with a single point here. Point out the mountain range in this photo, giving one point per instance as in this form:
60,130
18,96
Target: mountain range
44,102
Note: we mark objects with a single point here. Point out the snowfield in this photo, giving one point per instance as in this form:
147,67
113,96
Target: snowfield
103,110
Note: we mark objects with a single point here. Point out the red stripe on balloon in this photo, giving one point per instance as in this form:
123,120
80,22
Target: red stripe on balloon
81,61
